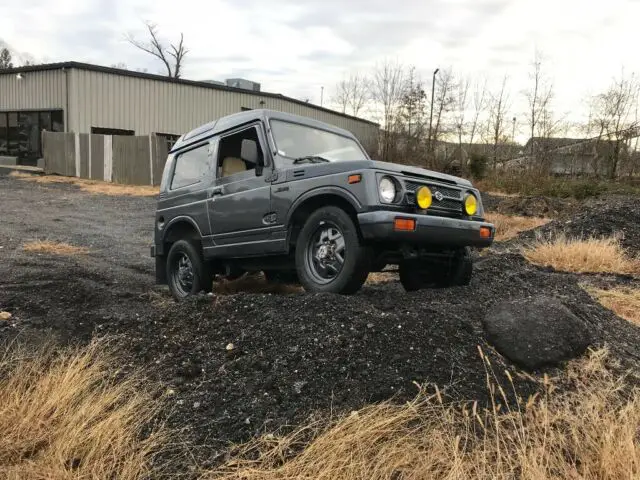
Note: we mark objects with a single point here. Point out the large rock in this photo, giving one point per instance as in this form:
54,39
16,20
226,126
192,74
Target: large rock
536,332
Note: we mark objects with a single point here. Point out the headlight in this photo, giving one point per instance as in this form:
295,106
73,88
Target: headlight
470,204
387,189
423,197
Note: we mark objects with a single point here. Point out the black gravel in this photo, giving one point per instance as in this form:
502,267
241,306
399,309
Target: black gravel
248,363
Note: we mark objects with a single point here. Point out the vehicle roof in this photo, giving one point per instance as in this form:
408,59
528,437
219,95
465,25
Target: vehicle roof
237,119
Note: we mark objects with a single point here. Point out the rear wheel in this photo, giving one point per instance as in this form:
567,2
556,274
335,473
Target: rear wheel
329,254
187,272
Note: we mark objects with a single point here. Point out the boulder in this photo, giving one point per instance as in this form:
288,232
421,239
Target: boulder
534,332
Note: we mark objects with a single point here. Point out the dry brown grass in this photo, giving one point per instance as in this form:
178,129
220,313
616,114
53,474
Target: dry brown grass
588,434
603,255
381,277
624,302
92,186
509,226
65,417
56,248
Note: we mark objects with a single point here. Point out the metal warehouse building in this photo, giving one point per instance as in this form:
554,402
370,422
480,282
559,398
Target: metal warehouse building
82,98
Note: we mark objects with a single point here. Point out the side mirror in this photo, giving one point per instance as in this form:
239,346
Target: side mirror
249,151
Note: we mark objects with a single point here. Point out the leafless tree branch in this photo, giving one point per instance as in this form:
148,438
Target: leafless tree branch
172,56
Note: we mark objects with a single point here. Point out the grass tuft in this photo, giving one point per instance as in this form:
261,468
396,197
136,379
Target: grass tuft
623,301
63,416
588,255
92,186
590,433
509,226
56,248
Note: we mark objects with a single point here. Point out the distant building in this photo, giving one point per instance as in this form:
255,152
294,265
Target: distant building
83,98
568,156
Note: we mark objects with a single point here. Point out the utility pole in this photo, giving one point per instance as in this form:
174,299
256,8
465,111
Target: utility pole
321,95
513,132
433,91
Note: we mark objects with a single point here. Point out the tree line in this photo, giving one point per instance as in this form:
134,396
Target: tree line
453,121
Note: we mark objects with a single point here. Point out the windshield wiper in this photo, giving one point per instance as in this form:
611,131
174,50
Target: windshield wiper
311,159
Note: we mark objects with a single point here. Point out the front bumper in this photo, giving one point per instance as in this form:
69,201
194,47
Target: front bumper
430,230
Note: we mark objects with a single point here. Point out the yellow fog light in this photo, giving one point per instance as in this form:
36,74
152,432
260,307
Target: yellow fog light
423,197
470,204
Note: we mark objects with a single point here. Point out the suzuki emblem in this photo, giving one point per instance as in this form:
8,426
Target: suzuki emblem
439,196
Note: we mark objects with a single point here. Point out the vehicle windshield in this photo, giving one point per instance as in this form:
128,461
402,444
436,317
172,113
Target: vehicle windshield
300,141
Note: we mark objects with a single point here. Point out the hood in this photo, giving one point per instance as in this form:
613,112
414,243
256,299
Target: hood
319,169
419,172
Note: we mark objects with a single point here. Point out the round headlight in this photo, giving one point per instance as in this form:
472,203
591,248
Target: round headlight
387,188
470,204
424,197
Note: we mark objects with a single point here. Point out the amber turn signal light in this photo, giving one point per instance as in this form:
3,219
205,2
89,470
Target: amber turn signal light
404,224
355,178
485,232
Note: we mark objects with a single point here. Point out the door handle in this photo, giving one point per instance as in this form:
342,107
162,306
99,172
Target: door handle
217,191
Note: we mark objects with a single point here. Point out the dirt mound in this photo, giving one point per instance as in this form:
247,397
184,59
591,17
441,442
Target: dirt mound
605,217
244,364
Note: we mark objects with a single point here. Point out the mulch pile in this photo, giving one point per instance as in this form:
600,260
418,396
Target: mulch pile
608,216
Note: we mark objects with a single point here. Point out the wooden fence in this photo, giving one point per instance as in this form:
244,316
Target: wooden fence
118,158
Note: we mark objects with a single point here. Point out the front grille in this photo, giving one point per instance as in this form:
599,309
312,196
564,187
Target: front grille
451,197
445,191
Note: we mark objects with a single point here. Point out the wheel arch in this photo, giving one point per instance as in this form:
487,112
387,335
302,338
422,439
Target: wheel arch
179,228
315,199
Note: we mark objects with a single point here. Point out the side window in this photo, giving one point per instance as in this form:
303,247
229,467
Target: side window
229,161
191,167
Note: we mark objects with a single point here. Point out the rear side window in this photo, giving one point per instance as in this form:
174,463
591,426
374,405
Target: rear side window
191,167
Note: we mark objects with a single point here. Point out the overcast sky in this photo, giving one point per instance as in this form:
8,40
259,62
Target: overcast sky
294,47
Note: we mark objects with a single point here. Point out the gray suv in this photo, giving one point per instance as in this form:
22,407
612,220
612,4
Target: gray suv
302,201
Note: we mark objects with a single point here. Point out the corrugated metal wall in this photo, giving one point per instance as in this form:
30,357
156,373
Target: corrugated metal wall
152,106
35,91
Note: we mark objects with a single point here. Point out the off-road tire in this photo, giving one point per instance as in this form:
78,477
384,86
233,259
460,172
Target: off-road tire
202,279
355,268
416,274
457,272
412,276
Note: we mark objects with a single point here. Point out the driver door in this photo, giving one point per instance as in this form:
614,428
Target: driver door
239,203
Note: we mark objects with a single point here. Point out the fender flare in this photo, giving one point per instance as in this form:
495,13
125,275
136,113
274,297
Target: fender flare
327,190
180,219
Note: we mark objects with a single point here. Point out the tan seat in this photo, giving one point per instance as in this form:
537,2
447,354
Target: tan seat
231,165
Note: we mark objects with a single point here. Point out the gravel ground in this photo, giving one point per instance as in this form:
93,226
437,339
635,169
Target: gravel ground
249,363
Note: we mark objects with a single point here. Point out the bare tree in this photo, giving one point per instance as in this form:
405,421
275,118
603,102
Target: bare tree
341,95
5,58
353,92
410,121
461,105
388,88
539,99
479,106
443,105
172,56
497,125
613,115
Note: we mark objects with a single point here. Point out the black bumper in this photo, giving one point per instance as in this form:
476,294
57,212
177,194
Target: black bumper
430,230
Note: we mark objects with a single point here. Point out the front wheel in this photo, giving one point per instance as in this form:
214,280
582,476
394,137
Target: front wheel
187,272
329,254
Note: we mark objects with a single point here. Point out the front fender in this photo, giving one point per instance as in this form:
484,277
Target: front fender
326,190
